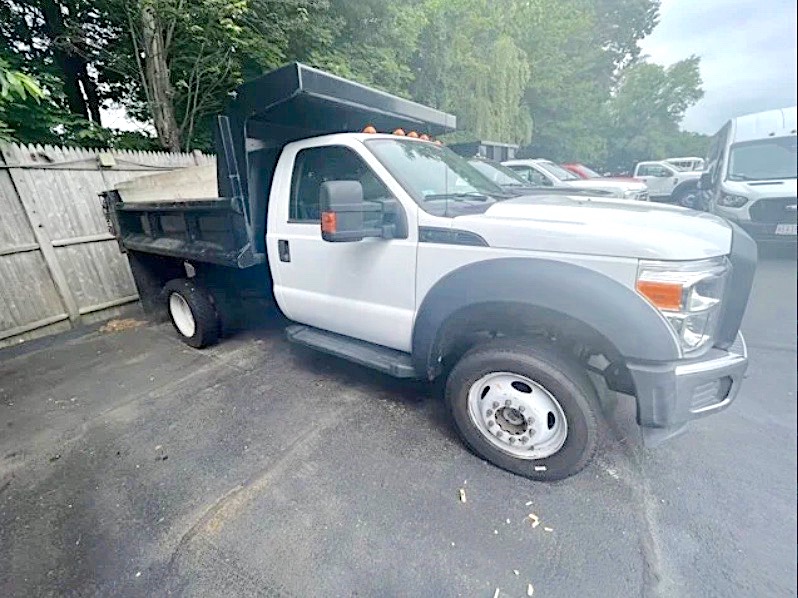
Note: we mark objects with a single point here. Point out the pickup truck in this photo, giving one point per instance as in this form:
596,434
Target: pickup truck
547,173
476,153
391,251
666,182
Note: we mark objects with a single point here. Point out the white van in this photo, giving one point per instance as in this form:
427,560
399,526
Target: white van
750,174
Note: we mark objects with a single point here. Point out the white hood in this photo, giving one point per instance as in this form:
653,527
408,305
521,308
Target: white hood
754,190
600,226
606,185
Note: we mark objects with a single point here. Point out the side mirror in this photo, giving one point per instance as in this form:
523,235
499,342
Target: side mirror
705,182
342,209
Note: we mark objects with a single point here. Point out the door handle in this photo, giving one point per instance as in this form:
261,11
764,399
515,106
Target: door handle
283,250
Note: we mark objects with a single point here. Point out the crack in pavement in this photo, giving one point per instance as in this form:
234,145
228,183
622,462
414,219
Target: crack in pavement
660,580
229,505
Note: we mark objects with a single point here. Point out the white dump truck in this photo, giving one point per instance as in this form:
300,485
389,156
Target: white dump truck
393,252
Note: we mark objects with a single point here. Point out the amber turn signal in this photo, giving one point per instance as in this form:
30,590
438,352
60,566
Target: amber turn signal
329,222
664,295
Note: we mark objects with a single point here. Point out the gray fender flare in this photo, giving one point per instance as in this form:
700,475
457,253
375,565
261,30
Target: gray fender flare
623,317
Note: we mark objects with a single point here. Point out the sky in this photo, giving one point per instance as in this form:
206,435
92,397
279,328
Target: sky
747,50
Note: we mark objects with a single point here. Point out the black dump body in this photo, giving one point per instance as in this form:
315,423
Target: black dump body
493,150
296,102
291,103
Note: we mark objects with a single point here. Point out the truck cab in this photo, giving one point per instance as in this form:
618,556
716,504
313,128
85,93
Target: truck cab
666,182
391,251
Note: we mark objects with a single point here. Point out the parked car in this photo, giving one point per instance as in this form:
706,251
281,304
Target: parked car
584,172
750,175
506,178
666,182
690,164
393,252
547,173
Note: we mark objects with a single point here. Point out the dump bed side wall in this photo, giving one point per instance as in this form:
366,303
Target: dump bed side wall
185,184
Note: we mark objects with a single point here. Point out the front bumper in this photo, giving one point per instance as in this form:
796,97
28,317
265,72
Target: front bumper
761,230
765,231
669,395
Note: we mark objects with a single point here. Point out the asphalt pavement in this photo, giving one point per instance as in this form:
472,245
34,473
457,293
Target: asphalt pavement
133,465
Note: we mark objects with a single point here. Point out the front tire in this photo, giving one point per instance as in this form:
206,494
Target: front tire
192,313
528,409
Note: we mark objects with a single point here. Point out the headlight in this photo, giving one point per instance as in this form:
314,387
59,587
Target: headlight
688,294
629,194
732,201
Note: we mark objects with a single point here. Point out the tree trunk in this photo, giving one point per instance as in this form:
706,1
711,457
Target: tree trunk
79,89
156,74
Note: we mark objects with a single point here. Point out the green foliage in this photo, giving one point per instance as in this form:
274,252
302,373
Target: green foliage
643,116
468,65
563,77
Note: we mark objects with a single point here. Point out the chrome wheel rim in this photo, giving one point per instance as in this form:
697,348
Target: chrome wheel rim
181,315
517,415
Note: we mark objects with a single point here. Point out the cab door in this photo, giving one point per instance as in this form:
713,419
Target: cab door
659,179
363,289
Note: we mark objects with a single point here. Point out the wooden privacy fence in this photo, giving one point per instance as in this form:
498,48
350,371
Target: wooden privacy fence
59,265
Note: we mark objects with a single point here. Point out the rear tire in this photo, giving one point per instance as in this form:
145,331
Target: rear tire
528,409
192,312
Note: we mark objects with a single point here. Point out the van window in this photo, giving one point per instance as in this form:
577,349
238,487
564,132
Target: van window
763,160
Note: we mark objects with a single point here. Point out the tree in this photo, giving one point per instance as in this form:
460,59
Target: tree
577,51
15,86
644,114
59,40
184,56
467,65
370,41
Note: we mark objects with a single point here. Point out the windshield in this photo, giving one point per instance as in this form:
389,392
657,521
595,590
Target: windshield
591,174
501,175
433,175
558,172
763,160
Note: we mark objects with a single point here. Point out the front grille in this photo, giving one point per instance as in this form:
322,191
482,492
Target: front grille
775,210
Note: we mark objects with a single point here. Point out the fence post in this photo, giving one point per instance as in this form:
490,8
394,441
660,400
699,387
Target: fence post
45,244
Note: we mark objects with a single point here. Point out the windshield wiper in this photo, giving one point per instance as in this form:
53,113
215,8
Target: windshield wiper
462,195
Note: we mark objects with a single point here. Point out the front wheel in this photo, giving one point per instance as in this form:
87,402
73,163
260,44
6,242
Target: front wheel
530,410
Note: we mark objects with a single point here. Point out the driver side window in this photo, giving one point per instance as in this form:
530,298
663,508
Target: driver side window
317,165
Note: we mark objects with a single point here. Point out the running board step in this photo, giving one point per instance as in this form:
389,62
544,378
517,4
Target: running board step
389,361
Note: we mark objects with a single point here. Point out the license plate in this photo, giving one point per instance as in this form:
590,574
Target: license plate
787,229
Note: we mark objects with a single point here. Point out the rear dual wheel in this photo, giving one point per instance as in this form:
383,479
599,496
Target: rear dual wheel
530,410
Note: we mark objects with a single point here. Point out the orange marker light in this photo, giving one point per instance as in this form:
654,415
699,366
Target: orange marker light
413,134
399,132
369,129
665,295
329,222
